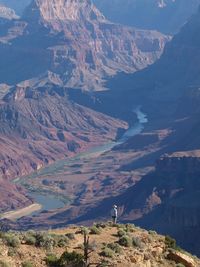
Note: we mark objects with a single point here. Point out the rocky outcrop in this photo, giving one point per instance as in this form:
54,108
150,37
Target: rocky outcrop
76,43
179,164
7,13
184,259
16,5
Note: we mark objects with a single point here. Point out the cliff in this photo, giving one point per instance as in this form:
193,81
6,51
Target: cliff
73,40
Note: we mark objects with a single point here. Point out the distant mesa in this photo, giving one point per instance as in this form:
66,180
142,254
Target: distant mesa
74,40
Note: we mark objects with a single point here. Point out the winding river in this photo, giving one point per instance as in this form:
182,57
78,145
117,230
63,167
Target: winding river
50,201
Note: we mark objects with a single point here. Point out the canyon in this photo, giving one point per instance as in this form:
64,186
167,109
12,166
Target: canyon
69,84
56,46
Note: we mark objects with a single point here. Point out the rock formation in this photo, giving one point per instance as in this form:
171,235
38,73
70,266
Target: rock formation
75,41
6,14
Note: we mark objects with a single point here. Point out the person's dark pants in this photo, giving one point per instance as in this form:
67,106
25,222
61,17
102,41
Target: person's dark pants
114,219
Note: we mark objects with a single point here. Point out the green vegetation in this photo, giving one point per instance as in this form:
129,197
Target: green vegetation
30,238
4,264
84,230
11,239
27,264
107,252
151,232
121,233
95,230
104,263
12,252
137,242
125,241
52,260
67,259
72,258
115,247
170,242
71,236
45,240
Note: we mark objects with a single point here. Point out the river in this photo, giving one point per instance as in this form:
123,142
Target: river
50,201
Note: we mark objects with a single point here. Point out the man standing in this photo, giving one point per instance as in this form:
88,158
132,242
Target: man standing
114,214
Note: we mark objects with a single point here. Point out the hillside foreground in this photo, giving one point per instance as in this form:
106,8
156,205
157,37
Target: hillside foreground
109,245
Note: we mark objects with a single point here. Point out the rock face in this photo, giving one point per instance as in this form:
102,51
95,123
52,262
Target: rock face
164,15
75,41
18,6
168,199
39,125
176,74
7,13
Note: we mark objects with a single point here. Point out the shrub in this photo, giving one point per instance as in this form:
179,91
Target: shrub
45,240
107,252
62,241
100,225
71,236
125,241
52,260
30,240
104,263
170,242
27,264
11,240
152,232
115,247
12,252
94,230
137,242
121,233
4,264
180,265
129,227
84,230
72,258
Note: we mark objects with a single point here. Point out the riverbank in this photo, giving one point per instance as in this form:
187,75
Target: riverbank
17,214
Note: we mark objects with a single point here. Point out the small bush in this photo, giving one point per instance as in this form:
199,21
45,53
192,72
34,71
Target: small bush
45,240
180,265
107,252
152,232
104,263
125,241
72,258
84,230
30,240
52,260
71,236
121,233
12,252
11,240
27,264
62,241
170,242
4,264
129,228
115,247
94,230
137,242
100,225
